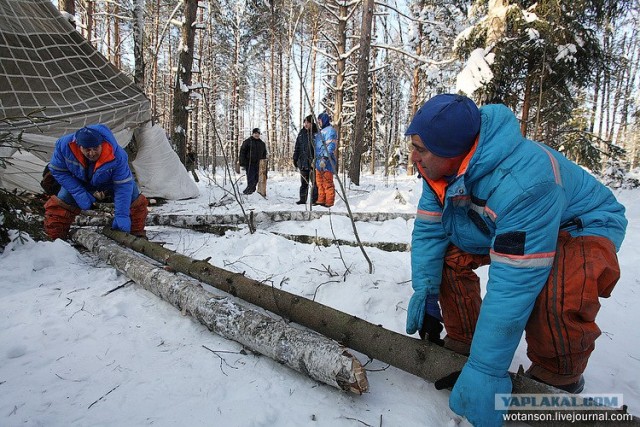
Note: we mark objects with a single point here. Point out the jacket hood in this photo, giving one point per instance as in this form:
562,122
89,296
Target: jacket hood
499,137
326,120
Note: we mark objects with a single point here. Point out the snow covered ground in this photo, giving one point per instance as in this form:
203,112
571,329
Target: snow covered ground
71,354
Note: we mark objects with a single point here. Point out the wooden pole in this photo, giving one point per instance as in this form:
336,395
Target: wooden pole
262,177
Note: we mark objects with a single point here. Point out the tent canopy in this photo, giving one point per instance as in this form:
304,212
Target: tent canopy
45,64
52,83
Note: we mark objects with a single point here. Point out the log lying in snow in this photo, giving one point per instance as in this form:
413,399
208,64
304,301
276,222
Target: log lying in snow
189,221
327,241
417,357
305,351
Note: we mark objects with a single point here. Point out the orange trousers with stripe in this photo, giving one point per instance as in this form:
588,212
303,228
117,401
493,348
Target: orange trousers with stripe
326,188
561,331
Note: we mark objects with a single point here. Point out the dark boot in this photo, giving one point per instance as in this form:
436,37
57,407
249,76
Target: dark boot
573,388
58,217
138,212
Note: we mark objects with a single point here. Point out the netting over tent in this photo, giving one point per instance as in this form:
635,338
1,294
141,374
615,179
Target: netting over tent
46,64
50,72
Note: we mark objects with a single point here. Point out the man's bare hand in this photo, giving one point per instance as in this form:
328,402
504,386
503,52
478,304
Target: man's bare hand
99,195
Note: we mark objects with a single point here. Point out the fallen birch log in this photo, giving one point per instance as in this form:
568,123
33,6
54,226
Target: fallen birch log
304,351
423,359
328,241
190,220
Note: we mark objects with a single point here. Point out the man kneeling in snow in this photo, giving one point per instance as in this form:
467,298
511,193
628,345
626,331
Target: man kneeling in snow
89,164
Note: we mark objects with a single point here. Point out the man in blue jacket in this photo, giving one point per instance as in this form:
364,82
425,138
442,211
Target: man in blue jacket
548,230
90,165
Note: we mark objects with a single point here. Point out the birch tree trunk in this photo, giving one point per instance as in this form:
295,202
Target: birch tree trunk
305,351
341,67
420,358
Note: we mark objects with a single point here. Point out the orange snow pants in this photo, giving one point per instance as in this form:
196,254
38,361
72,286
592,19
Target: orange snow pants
561,331
58,217
326,188
139,211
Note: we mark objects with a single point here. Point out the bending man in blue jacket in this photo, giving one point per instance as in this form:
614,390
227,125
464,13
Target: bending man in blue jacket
89,165
548,230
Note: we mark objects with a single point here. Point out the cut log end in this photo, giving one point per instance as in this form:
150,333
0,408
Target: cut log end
357,382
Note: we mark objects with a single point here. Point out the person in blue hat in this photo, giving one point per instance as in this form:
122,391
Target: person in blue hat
89,165
326,143
548,230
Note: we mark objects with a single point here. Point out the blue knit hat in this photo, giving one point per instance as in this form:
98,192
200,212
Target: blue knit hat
447,124
88,138
325,120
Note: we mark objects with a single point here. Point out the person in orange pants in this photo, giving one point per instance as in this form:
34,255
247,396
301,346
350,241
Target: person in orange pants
326,142
89,165
561,330
549,231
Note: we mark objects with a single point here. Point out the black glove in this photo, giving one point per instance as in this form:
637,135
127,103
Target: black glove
431,328
447,382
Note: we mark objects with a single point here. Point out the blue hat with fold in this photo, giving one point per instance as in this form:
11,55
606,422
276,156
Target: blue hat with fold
88,138
447,124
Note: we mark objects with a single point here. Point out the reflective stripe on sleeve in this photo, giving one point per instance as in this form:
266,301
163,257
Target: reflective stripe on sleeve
524,261
123,181
429,216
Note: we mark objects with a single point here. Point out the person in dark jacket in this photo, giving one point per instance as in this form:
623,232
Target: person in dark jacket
191,162
303,154
253,150
90,165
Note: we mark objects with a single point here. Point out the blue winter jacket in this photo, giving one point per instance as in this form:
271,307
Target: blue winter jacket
110,172
326,143
510,201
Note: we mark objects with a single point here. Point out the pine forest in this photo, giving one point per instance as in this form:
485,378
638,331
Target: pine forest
215,69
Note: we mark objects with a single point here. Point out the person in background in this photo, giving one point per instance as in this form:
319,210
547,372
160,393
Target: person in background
191,162
303,159
548,230
253,150
326,162
90,166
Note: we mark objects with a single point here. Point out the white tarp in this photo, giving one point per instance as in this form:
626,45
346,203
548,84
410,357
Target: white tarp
23,172
158,169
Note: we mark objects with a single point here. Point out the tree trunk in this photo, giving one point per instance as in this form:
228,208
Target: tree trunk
363,91
138,43
90,5
183,80
68,6
304,351
424,359
341,67
200,222
415,87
